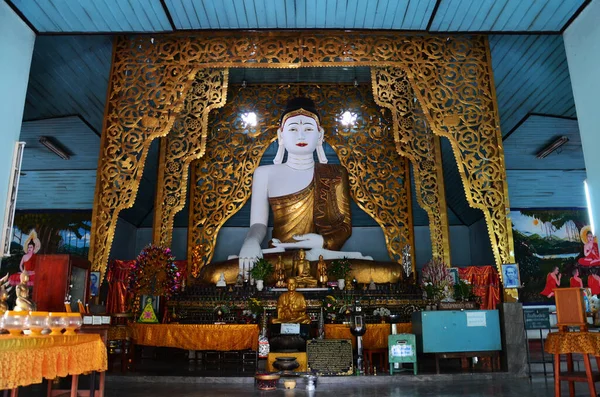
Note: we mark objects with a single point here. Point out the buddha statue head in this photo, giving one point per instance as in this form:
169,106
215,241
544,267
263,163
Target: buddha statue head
300,131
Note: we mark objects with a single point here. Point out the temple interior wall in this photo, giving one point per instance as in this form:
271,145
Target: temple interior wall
582,45
469,245
16,47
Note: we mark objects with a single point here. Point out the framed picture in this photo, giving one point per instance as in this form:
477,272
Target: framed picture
510,275
454,274
94,283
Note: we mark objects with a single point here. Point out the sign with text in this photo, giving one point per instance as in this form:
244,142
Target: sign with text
476,319
537,318
288,328
330,356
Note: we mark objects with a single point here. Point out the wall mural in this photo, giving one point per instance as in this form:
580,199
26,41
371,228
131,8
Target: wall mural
37,233
551,247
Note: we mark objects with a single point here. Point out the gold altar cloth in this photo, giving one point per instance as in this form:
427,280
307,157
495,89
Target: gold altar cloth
376,336
119,332
223,337
25,360
573,342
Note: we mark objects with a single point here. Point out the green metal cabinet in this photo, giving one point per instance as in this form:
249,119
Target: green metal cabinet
402,348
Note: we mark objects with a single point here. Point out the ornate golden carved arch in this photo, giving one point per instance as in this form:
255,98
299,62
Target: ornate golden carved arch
185,143
150,78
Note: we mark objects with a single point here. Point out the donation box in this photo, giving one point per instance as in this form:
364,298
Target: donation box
446,331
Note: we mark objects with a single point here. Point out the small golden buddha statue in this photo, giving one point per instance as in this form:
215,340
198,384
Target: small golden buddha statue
291,306
322,271
23,303
4,290
302,266
280,273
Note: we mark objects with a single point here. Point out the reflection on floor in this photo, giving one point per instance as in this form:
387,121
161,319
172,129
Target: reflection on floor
400,385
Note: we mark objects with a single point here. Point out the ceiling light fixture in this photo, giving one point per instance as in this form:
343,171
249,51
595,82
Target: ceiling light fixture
54,147
545,152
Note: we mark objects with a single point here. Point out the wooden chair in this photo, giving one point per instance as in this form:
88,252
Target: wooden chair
570,312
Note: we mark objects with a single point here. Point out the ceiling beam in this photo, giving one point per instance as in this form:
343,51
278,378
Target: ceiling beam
22,16
168,14
524,119
575,15
83,120
433,13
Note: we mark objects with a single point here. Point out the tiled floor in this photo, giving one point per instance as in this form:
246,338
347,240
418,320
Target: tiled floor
429,387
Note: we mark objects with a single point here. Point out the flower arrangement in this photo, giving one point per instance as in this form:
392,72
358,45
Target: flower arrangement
339,268
382,312
254,305
464,291
329,304
262,269
221,310
436,276
154,272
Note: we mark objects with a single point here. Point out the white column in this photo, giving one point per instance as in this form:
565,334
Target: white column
582,44
16,50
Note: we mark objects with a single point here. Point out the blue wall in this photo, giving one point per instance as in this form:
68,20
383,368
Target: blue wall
16,49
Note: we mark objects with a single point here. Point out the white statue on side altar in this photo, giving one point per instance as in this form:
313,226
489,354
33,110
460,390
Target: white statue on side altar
221,282
310,202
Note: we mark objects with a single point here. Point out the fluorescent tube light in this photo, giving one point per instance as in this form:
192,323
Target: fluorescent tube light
54,147
589,206
552,147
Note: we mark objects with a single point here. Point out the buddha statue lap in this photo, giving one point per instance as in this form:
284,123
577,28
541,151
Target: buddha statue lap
311,208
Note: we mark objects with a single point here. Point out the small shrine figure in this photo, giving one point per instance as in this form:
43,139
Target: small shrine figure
280,273
221,282
302,266
349,285
372,286
148,315
322,271
291,306
239,282
4,290
23,303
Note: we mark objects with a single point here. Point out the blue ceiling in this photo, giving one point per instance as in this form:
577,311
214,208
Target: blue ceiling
422,15
69,77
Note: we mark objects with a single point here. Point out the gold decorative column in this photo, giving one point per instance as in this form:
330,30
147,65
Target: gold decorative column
415,141
142,104
185,143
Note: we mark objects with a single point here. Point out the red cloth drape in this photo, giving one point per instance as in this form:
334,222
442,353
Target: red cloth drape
118,283
486,284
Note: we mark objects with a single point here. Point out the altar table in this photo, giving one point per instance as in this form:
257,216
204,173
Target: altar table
376,336
585,343
221,337
25,360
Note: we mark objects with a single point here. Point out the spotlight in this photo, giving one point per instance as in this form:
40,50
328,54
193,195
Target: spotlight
249,119
54,147
545,152
348,118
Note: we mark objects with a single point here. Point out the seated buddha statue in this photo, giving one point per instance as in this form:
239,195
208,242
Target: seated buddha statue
23,303
303,277
291,306
310,204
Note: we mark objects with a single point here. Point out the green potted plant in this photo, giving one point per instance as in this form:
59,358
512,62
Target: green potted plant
261,271
338,270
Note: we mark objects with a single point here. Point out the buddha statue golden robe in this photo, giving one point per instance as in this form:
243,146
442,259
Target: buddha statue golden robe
291,306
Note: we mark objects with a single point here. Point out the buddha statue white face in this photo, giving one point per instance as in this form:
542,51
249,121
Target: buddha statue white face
300,135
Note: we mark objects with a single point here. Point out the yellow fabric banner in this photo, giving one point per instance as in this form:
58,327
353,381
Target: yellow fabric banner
573,342
25,360
376,336
222,337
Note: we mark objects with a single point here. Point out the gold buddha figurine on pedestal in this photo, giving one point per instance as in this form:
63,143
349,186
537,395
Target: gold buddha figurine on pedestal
280,273
23,304
322,272
4,290
302,268
291,306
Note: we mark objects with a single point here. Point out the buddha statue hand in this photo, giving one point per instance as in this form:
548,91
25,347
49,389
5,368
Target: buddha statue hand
251,250
304,241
